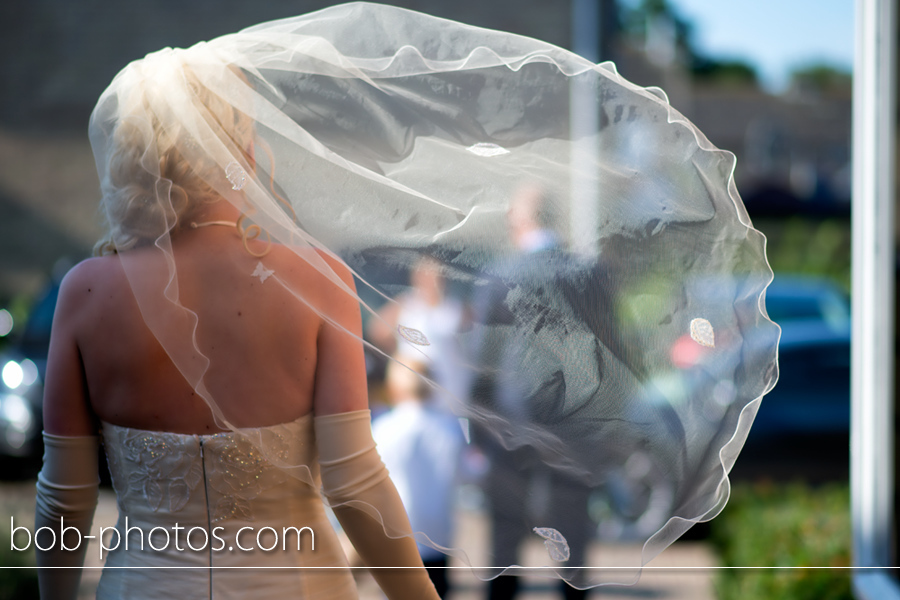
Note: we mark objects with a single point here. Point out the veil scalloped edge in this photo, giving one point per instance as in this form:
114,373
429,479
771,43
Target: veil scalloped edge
631,355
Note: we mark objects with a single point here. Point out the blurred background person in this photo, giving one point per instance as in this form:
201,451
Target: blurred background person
426,308
421,445
520,488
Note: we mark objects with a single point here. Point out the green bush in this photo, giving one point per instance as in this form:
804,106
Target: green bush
767,525
18,576
812,247
16,583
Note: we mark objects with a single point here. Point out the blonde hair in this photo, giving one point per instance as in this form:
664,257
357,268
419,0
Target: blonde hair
151,186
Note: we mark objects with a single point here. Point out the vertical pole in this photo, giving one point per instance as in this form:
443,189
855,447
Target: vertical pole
872,384
584,121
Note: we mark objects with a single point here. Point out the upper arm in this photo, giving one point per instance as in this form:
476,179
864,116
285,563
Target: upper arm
340,384
67,409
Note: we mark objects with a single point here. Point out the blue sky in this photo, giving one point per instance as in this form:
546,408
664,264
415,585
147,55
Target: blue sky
773,35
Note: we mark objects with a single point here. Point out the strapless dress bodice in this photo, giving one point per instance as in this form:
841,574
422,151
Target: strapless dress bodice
213,516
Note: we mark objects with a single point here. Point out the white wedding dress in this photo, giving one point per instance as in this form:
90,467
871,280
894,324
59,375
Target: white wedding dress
205,489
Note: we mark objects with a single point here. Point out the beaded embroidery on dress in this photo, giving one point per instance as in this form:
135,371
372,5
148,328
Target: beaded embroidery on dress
207,503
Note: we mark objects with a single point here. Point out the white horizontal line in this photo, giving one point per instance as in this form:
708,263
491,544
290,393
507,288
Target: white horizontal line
533,569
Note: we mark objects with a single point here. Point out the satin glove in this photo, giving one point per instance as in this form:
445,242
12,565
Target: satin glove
67,490
355,480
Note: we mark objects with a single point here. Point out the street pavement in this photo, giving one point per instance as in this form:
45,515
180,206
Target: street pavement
682,572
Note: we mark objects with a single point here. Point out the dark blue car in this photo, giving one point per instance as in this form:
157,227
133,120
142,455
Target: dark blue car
813,391
22,367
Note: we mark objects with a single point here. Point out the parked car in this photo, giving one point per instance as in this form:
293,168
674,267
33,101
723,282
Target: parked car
813,391
22,368
811,400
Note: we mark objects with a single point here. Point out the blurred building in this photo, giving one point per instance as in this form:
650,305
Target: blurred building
793,150
58,56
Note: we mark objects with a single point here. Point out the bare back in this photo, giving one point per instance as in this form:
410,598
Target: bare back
267,352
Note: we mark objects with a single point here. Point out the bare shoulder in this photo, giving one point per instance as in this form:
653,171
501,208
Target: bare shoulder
91,278
67,408
96,269
313,265
338,267
325,280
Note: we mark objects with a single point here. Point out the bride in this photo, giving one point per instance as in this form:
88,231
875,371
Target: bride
282,374
250,184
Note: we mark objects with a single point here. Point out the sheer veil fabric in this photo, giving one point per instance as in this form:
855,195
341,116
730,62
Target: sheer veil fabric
632,347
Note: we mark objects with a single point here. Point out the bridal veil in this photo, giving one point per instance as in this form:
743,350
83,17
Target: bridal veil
634,355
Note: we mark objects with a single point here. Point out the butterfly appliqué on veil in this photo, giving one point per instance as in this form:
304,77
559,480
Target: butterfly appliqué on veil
262,272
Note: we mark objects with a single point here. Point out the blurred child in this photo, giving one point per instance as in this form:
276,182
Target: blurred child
421,445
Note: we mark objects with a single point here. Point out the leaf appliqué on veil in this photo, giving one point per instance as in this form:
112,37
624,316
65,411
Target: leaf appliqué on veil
413,336
557,546
703,333
487,149
236,175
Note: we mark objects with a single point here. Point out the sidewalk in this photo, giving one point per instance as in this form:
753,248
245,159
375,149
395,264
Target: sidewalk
680,573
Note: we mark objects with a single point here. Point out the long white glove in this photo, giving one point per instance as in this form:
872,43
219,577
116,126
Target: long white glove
67,489
352,472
